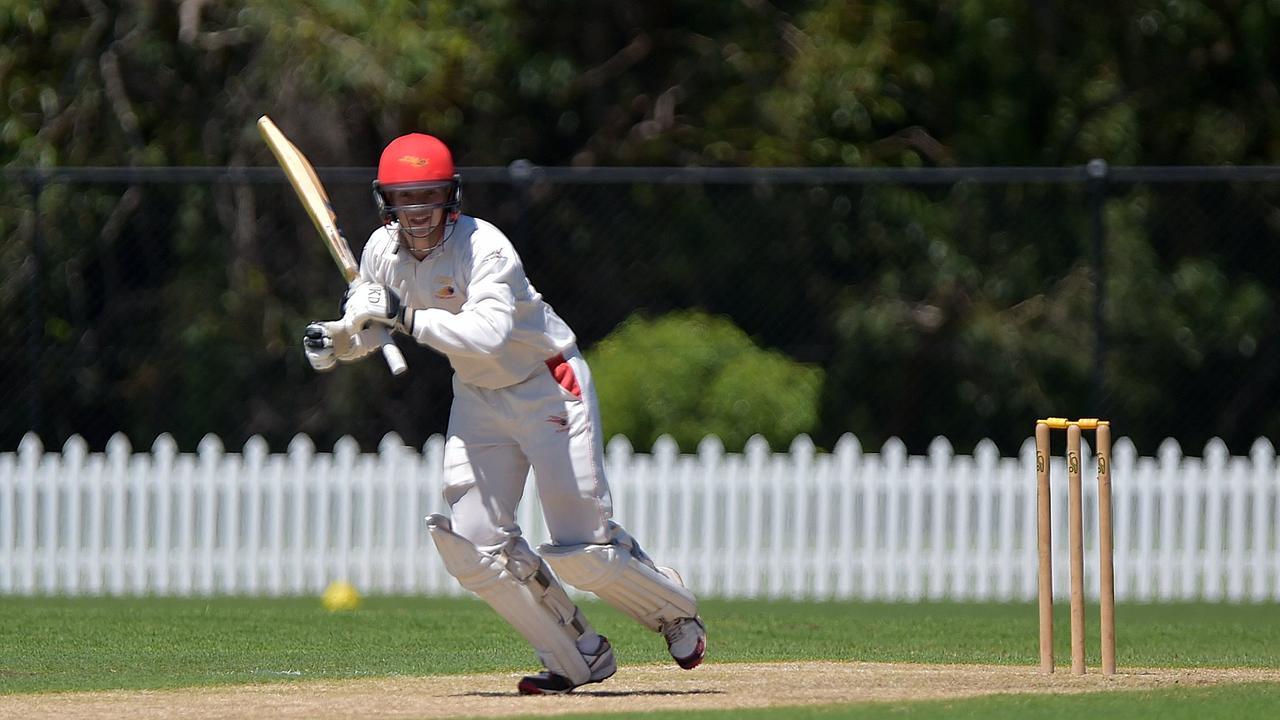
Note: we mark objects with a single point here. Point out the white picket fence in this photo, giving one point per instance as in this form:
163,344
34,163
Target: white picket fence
800,524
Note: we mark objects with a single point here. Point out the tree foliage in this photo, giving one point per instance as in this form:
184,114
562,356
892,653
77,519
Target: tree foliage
670,83
922,304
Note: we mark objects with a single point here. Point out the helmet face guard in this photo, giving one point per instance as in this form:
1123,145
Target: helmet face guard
452,204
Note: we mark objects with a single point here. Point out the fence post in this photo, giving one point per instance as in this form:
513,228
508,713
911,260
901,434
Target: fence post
1098,172
35,319
520,172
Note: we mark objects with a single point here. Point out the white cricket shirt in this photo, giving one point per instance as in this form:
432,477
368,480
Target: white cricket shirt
471,302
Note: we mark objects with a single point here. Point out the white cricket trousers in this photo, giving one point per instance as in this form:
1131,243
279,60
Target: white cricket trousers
550,421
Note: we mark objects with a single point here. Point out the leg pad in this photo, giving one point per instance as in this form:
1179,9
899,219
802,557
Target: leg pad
624,580
519,588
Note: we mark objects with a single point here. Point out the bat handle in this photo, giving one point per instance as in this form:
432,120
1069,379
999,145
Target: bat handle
392,354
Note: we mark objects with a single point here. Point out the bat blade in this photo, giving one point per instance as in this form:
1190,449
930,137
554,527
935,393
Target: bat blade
310,191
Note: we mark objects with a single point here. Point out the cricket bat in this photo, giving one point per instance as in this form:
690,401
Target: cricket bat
316,202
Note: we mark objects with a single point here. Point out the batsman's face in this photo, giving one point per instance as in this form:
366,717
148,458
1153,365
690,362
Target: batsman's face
420,212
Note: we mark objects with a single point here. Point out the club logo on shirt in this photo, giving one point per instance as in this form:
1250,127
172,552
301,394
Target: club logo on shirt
446,289
495,255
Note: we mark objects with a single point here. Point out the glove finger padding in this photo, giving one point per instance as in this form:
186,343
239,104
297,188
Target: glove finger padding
317,337
317,343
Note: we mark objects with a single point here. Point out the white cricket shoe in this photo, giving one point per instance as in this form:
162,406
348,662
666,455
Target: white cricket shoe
686,637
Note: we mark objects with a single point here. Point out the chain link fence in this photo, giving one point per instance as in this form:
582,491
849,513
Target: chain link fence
953,302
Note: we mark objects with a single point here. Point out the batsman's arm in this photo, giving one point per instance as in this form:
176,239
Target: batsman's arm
485,323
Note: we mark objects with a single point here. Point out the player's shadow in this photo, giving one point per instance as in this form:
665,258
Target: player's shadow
600,693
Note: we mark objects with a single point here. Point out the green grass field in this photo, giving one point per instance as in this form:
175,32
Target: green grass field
84,644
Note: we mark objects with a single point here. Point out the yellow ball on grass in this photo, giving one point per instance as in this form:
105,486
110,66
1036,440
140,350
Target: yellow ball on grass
340,596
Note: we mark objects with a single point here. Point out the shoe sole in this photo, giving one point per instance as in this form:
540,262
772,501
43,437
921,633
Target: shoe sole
527,687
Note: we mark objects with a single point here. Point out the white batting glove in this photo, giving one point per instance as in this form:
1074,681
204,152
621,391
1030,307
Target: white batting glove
317,343
328,343
370,302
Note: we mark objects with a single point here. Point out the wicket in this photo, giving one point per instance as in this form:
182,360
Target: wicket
1075,524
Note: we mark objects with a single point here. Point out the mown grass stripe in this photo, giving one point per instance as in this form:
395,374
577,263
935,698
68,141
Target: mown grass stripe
102,643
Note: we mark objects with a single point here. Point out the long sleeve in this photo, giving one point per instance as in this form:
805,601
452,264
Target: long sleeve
473,303
485,323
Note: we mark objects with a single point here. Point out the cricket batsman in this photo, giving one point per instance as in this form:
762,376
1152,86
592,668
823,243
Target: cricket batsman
522,397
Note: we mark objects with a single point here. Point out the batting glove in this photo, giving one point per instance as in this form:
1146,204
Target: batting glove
328,343
370,302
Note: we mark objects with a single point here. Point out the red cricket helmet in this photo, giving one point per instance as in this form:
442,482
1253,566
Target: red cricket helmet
417,160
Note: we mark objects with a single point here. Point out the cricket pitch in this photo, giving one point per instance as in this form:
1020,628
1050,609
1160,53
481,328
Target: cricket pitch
634,688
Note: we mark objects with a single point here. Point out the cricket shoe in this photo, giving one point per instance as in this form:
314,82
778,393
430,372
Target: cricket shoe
602,665
686,637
